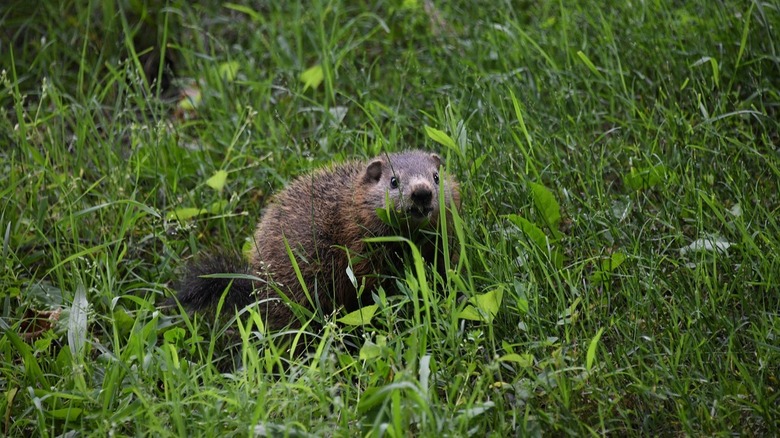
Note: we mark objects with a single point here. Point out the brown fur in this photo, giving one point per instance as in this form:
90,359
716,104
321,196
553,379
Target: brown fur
324,218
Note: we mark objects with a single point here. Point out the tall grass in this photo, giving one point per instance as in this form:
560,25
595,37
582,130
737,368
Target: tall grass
618,241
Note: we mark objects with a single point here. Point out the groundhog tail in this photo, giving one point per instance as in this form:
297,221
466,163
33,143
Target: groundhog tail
197,292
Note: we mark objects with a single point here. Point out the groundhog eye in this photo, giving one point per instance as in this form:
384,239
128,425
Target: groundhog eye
436,177
394,182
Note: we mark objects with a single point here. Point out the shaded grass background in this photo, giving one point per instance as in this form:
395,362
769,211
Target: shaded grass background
94,162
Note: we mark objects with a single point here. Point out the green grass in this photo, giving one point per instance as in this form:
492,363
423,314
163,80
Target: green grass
653,127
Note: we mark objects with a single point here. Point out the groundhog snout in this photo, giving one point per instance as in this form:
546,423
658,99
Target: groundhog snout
422,196
421,204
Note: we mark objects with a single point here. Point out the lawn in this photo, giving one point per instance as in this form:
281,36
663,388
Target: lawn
618,241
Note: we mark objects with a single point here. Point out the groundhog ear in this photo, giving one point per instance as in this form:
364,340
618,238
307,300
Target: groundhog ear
373,171
437,159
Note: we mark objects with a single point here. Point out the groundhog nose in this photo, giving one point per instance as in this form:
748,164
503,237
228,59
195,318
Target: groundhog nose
422,196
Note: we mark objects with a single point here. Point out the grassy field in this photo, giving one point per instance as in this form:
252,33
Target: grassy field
619,235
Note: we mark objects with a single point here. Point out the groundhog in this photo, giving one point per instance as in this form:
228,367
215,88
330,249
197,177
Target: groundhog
323,218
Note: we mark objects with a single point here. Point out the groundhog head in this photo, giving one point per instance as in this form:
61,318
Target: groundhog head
408,185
